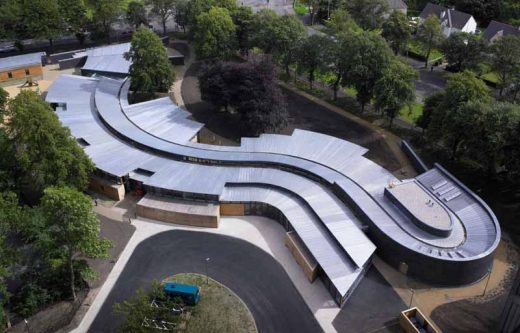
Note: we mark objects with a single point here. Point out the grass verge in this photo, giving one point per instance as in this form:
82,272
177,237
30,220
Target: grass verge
410,115
219,309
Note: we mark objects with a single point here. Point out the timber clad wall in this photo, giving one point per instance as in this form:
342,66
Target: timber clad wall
35,71
105,187
232,209
301,255
178,211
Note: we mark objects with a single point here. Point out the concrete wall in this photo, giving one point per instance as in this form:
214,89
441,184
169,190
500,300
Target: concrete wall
417,162
107,188
35,71
72,62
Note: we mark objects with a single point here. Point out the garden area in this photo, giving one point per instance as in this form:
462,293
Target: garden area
218,310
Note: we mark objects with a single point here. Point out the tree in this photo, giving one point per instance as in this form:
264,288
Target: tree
463,51
74,14
45,152
250,90
370,55
242,18
41,19
215,34
181,14
483,10
10,16
369,14
492,131
195,8
136,14
397,31
151,70
429,34
163,10
340,60
505,60
449,121
431,103
340,22
105,13
72,230
263,30
313,55
395,89
289,35
138,307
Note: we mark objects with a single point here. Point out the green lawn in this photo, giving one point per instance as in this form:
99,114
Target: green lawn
410,115
350,91
490,77
414,47
300,9
219,309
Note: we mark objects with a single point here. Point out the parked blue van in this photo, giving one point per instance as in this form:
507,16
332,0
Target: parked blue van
188,293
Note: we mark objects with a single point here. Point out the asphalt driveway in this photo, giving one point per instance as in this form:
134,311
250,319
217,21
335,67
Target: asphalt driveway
257,278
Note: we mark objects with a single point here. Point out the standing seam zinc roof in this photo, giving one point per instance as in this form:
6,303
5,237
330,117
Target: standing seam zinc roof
311,167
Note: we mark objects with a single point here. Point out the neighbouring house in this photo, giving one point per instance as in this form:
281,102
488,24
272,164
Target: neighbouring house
495,30
21,68
451,20
398,5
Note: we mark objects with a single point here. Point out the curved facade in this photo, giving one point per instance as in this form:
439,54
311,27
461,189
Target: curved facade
316,185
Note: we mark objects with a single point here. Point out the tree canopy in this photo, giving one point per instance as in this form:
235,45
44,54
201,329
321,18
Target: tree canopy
397,31
369,14
463,51
395,89
44,152
215,35
72,231
313,55
247,89
505,60
151,70
136,14
163,10
429,35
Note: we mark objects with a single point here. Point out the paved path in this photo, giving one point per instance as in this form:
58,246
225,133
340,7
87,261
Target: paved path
250,272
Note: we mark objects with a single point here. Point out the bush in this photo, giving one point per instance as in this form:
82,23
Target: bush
300,9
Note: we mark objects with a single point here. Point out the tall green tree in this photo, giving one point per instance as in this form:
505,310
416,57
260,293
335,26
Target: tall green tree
215,34
492,131
10,18
370,56
136,14
369,14
313,55
41,19
397,31
151,70
341,21
395,89
163,10
195,8
74,14
72,231
505,60
429,35
243,19
45,152
264,30
105,13
449,121
340,60
289,35
463,51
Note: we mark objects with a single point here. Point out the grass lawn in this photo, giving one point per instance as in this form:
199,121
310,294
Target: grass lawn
490,77
300,9
414,47
219,309
350,91
410,115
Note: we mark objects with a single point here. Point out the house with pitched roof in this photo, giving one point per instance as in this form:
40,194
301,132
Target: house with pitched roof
451,20
496,30
398,5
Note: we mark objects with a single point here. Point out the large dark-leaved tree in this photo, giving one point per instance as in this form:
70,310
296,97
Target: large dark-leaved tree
463,51
151,70
247,89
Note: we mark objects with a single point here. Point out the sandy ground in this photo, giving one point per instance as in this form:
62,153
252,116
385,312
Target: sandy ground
434,300
50,73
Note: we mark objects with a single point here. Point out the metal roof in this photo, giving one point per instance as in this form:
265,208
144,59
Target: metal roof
108,59
20,61
498,29
303,175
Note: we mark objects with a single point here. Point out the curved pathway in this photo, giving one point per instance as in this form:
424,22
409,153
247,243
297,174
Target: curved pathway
257,278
